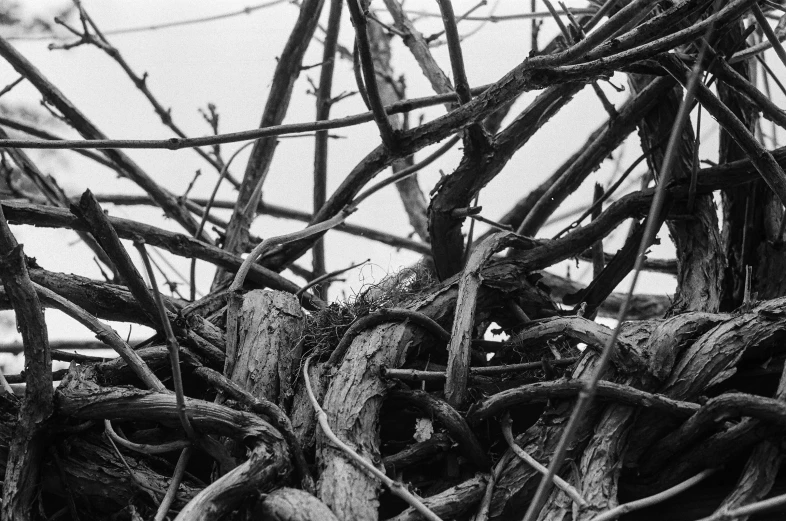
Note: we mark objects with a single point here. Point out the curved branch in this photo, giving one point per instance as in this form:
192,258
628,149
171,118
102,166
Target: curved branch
543,391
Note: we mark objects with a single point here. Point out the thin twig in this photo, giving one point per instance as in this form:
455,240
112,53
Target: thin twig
566,487
504,18
395,487
43,134
177,477
406,172
768,32
748,510
206,211
327,276
660,497
150,491
454,50
233,137
11,85
172,345
560,24
193,21
369,74
144,448
324,102
236,300
105,334
140,82
493,224
494,370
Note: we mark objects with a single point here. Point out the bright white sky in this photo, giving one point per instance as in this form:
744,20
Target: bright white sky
230,63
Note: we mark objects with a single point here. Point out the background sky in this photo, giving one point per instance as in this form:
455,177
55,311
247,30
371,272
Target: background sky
230,63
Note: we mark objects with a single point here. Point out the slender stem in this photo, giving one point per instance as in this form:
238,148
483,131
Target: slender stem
656,498
768,32
104,333
177,477
507,432
206,212
370,75
171,341
748,510
560,24
327,276
324,102
144,448
454,49
234,137
409,171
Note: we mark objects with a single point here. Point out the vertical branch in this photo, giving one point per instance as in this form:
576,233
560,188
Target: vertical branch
391,91
287,71
172,345
597,249
457,373
324,102
28,444
454,49
534,30
369,74
206,212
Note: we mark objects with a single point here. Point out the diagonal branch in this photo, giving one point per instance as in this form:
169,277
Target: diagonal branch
79,121
358,15
287,71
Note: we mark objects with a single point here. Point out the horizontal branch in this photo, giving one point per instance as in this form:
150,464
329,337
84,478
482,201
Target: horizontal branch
415,375
176,243
279,211
543,391
710,415
234,137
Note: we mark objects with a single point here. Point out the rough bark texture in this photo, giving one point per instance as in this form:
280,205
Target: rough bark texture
356,392
291,504
700,260
271,325
405,370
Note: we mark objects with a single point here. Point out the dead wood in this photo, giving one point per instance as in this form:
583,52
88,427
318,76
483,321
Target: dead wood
421,412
